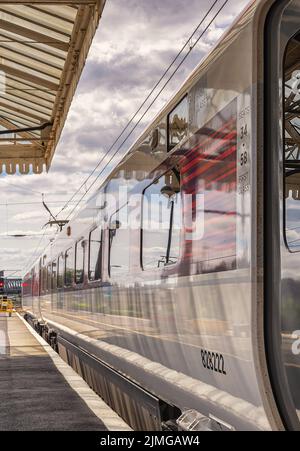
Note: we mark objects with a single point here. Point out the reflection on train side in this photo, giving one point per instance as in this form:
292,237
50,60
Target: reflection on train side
152,300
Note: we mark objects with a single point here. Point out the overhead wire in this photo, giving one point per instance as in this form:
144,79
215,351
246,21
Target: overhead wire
56,202
187,43
148,108
38,193
35,253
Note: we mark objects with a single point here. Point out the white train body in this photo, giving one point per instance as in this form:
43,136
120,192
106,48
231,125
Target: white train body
180,311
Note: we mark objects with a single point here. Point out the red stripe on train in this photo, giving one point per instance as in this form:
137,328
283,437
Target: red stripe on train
217,146
205,167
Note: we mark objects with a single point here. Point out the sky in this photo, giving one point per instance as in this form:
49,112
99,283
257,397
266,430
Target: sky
135,43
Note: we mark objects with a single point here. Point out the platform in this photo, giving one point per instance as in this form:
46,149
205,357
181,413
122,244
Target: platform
38,391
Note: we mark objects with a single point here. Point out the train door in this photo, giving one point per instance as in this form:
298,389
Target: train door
282,207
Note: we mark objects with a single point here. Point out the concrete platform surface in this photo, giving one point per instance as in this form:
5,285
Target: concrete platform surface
39,391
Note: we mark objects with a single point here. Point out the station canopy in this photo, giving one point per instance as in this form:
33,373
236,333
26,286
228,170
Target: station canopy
43,49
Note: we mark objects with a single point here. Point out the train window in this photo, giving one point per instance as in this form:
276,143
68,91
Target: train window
178,121
287,289
45,279
54,276
292,146
79,265
95,254
161,222
209,192
119,243
41,281
44,275
26,285
49,277
60,272
69,267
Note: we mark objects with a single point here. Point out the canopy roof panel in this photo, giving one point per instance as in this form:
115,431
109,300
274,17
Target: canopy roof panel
43,49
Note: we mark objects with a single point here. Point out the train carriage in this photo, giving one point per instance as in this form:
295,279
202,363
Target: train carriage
175,290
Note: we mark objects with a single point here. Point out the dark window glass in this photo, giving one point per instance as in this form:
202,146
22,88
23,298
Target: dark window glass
95,254
119,242
161,222
60,272
178,123
292,146
69,267
79,273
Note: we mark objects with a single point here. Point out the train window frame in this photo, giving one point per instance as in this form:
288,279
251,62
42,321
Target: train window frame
126,271
44,283
100,254
168,266
81,241
53,275
170,146
45,280
60,258
40,277
66,255
282,24
284,176
49,277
